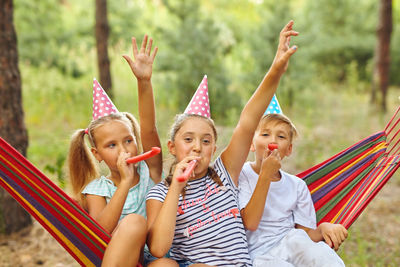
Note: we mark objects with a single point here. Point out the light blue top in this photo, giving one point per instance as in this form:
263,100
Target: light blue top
136,199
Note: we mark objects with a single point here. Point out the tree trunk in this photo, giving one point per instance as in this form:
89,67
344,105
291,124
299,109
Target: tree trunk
382,50
102,31
12,127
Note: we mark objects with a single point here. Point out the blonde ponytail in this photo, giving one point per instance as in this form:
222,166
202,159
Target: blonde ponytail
81,164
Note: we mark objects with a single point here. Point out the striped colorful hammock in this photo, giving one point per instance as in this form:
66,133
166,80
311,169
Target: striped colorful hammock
61,216
341,188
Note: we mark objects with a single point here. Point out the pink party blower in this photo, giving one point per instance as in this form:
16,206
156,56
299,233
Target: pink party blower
154,151
188,171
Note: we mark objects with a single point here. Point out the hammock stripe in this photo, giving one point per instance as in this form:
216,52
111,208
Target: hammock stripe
61,216
45,223
342,186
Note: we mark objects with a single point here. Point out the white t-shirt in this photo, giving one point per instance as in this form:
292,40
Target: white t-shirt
288,203
209,228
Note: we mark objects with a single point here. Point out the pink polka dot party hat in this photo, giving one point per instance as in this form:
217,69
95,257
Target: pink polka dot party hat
102,104
200,104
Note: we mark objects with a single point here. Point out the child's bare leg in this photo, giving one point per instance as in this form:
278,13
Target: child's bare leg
163,262
127,242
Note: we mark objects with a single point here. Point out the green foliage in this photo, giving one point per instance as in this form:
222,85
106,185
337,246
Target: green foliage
39,31
58,170
124,18
196,50
337,33
51,33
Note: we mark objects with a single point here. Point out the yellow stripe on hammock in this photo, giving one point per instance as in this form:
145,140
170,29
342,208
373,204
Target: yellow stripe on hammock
58,204
65,240
378,147
364,194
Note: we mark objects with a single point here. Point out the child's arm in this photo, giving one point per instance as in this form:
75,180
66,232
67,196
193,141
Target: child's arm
332,234
142,69
236,152
107,215
252,213
161,217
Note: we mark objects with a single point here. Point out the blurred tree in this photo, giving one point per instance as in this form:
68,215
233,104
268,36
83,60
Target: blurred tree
334,36
196,48
382,53
12,127
102,32
54,33
266,40
395,46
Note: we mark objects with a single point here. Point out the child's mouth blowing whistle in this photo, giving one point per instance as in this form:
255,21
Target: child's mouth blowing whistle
272,146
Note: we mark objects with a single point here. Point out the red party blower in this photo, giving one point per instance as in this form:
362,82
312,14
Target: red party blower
188,171
154,151
272,146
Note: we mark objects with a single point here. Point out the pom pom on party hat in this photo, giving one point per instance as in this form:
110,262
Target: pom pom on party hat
200,104
273,107
102,104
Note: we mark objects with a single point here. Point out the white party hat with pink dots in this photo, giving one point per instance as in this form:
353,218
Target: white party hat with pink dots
200,104
102,104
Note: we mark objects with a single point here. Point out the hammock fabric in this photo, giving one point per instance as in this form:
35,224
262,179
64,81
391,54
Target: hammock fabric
341,187
60,215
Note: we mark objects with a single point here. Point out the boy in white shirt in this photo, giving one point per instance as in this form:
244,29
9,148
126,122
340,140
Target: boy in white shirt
277,209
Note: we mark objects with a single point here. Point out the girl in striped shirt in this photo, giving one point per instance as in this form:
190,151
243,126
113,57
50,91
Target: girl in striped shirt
197,220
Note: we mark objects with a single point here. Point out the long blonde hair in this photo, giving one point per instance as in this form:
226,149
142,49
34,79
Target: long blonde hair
180,119
81,162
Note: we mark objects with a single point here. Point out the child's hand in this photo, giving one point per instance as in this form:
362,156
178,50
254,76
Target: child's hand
126,170
180,169
283,53
271,163
143,64
333,234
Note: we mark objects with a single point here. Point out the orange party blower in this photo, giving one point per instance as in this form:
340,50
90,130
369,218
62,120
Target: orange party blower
272,146
154,151
188,171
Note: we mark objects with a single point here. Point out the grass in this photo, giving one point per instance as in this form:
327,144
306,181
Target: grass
328,117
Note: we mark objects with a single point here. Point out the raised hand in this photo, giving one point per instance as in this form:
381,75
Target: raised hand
283,53
142,66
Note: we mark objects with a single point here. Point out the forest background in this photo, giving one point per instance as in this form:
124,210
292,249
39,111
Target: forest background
326,90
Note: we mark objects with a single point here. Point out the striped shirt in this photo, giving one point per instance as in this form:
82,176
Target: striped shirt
209,227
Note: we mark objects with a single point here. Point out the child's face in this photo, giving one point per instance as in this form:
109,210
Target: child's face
274,132
194,138
112,138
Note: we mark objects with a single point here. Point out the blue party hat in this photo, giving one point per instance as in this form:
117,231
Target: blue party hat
273,106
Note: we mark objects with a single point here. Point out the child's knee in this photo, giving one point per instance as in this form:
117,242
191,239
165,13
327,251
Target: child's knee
318,254
133,225
326,255
306,252
163,262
